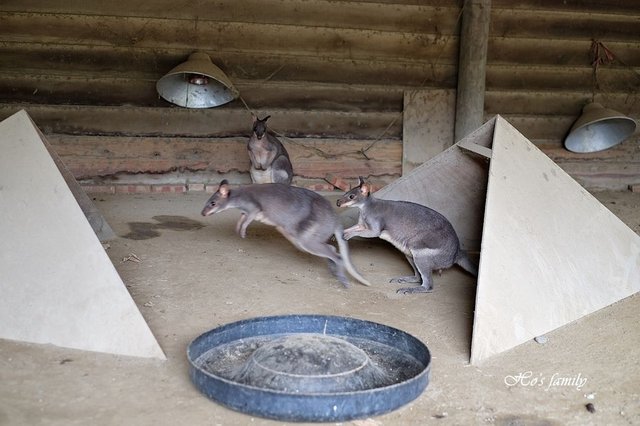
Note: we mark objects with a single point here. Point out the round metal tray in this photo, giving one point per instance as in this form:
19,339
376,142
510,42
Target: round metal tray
309,367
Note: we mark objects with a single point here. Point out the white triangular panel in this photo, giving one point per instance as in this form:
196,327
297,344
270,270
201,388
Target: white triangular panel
58,285
551,252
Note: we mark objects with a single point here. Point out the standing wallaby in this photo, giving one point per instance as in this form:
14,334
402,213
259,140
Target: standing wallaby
270,161
304,217
426,237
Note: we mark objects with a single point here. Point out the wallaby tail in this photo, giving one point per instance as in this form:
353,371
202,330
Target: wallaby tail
467,264
344,253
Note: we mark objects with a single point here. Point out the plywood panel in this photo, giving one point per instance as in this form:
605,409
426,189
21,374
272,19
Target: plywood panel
58,285
551,253
428,125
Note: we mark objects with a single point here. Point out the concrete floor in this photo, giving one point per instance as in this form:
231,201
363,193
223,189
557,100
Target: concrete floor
196,274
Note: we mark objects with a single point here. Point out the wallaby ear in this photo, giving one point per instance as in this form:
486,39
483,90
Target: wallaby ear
360,181
264,120
365,188
223,189
254,118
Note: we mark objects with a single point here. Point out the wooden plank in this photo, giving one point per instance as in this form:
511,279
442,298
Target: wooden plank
603,176
277,39
557,52
428,123
419,17
540,127
151,64
528,77
100,156
67,87
37,87
475,148
609,6
227,122
215,122
625,153
565,25
309,96
554,102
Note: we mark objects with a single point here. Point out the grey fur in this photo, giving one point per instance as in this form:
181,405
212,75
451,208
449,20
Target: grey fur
426,237
270,161
304,217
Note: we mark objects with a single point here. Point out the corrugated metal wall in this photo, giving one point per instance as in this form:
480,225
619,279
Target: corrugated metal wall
540,74
330,73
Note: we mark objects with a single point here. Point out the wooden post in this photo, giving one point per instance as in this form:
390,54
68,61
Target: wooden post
474,37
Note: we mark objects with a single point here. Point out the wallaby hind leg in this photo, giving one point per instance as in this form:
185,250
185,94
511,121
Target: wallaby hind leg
333,267
415,278
328,251
281,170
424,264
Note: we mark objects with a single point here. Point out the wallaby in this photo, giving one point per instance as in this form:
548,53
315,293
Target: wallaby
270,161
304,217
426,237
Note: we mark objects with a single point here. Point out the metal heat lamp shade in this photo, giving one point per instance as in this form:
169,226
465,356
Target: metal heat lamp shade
197,83
598,128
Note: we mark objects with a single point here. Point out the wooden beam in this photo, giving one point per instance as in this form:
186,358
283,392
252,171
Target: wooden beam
90,157
474,37
475,148
211,122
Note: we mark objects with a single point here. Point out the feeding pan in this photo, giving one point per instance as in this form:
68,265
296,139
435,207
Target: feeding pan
311,368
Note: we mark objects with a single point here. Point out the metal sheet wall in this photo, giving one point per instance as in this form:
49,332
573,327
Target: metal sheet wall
331,73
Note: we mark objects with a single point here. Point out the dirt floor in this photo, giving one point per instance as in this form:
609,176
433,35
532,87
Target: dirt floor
195,274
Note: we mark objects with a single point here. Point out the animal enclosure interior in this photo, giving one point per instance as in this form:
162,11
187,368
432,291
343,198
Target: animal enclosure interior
352,88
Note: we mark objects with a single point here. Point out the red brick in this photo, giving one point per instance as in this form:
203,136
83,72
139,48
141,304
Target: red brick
320,187
132,189
338,182
168,188
99,189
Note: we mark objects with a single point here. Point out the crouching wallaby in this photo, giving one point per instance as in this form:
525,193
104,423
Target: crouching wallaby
270,161
426,237
304,217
